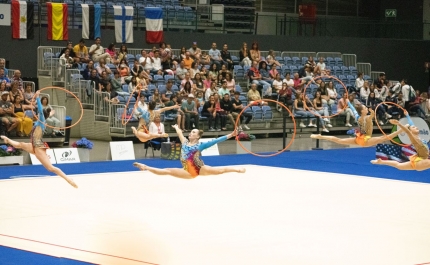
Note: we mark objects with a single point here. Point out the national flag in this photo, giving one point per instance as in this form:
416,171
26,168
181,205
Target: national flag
123,24
389,152
22,20
57,21
154,24
91,18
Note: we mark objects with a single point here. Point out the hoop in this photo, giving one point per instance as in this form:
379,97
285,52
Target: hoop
377,123
67,91
317,114
123,116
274,154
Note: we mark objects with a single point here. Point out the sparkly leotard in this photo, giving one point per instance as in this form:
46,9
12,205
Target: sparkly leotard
365,126
38,128
190,155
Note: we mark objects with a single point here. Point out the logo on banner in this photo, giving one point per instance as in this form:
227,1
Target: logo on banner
67,155
122,150
423,129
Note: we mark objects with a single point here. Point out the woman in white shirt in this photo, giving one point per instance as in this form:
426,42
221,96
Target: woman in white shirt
157,127
331,93
365,91
277,83
210,91
359,82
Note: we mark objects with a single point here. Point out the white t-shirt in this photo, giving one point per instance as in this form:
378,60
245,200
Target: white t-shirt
153,128
277,84
405,92
148,65
364,93
290,82
359,83
156,64
99,51
321,65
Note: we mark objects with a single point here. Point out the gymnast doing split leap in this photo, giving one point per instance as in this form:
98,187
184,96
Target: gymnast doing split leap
36,146
420,160
192,165
363,136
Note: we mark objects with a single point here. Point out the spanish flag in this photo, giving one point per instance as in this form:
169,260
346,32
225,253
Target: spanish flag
57,21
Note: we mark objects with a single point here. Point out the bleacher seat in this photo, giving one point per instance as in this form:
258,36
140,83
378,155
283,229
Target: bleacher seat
257,113
244,100
279,59
338,61
159,80
267,113
336,70
235,59
285,69
353,70
366,77
238,71
330,61
288,60
202,118
345,70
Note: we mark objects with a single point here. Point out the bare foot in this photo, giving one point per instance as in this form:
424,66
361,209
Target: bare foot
376,161
316,136
140,166
165,135
5,139
241,170
134,130
71,182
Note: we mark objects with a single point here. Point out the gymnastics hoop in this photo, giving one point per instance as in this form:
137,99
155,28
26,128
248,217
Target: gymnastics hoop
315,113
123,116
377,123
270,155
67,91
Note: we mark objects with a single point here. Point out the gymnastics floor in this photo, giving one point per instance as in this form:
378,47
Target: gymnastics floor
269,215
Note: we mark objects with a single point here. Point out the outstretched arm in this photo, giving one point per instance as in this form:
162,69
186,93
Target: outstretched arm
168,108
353,109
40,108
411,123
179,132
206,145
403,127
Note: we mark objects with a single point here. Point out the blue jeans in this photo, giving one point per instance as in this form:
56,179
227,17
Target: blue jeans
304,114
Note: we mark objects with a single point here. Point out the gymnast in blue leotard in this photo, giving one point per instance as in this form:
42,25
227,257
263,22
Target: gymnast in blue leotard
192,165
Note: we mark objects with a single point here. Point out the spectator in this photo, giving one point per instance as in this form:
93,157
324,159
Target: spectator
204,72
200,99
17,78
215,56
103,67
224,90
51,120
244,56
95,81
400,100
227,106
237,108
210,91
97,52
182,54
157,69
359,83
220,111
156,97
379,82
231,84
372,102
194,69
87,71
26,124
81,52
195,51
112,52
265,73
188,61
137,68
123,70
405,91
271,60
297,82
157,127
223,71
4,78
209,111
285,97
28,94
3,66
104,79
116,85
142,85
6,114
145,61
113,95
205,59
176,113
331,94
312,64
72,53
300,111
183,93
207,82
383,91
320,68
288,80
315,112
122,54
364,91
169,66
226,57
189,108
255,76
14,91
277,83
67,61
254,95
397,88
187,78
254,53
213,70
166,96
391,109
415,106
181,71
321,108
344,110
198,83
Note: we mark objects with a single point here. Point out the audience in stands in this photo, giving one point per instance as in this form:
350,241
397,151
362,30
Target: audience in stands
415,106
81,52
364,91
213,117
300,111
52,121
344,110
175,113
156,97
97,52
226,57
227,107
210,91
188,61
321,108
168,92
316,113
255,75
244,56
122,53
113,53
4,78
157,127
372,102
223,90
237,108
102,66
28,94
7,116
359,83
220,111
14,91
3,66
191,113
254,95
255,53
270,58
195,52
205,59
25,123
285,97
231,84
215,56
194,69
198,83
17,78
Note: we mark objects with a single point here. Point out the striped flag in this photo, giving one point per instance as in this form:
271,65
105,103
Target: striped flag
395,152
123,24
154,24
57,21
22,20
91,17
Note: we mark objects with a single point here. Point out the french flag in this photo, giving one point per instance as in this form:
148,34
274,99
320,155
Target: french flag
22,20
154,24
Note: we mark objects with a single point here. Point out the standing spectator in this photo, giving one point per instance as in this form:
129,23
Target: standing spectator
209,111
359,83
226,57
189,108
215,56
97,52
254,53
195,51
237,108
364,91
244,56
81,52
405,91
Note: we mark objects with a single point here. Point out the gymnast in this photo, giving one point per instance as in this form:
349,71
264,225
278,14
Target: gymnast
363,136
192,165
36,146
420,160
146,117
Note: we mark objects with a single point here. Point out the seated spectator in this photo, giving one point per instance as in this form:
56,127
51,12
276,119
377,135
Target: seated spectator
372,102
219,80
265,72
6,114
66,61
311,62
113,53
187,78
4,78
313,110
223,71
298,85
321,108
14,91
237,108
213,70
87,71
182,54
226,57
113,95
116,85
254,53
26,123
123,70
299,110
207,82
255,76
277,83
364,91
204,72
104,79
156,97
145,61
95,81
344,110
391,109
97,52
200,99
288,80
223,90
231,84
142,85
379,82
205,59
168,65
331,94
81,52
72,53
17,78
51,120
194,70
186,91
181,71
273,72
320,68
103,67
3,66
198,83
157,127
137,69
28,94
188,61
227,106
270,58
400,100
157,68
195,52
175,113
383,91
415,106
210,91
215,56
352,97
166,96
220,112
254,95
359,83
244,56
209,111
189,108
122,54
308,75
285,97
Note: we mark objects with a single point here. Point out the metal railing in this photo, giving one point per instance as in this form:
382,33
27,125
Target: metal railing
101,105
349,60
365,68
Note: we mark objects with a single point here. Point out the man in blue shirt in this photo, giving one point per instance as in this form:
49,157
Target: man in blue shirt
3,66
189,108
215,56
4,78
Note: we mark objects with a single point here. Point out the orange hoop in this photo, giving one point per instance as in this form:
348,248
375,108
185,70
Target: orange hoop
123,116
377,123
274,154
314,113
67,91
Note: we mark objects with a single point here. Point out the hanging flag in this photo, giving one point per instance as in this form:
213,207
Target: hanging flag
91,17
123,23
22,20
57,21
154,24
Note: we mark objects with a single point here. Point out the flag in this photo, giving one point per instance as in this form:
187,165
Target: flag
91,17
154,24
22,20
57,21
123,23
395,152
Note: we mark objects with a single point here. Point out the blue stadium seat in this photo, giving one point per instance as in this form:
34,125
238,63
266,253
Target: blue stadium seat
267,113
353,70
257,113
338,61
288,60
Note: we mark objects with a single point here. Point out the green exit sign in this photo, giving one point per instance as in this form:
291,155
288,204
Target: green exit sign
390,12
